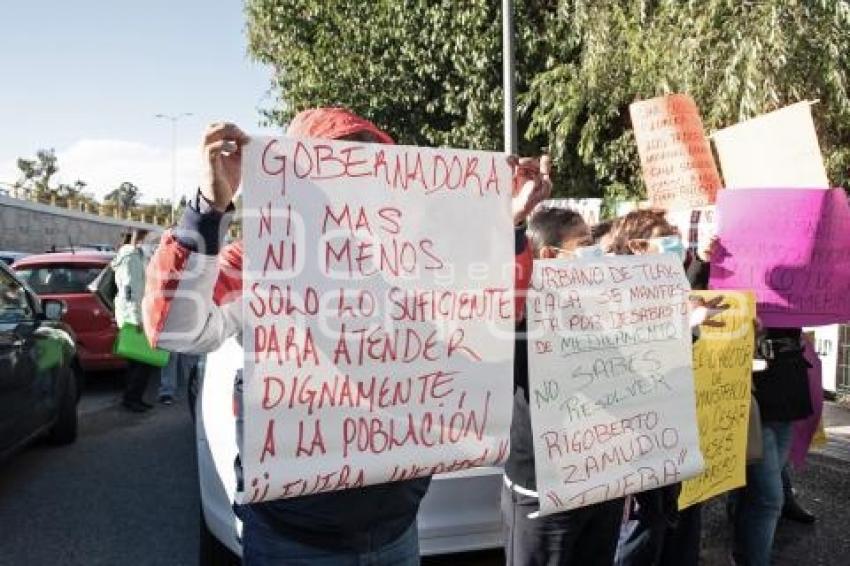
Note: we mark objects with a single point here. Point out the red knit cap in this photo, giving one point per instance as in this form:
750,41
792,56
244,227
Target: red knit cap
333,123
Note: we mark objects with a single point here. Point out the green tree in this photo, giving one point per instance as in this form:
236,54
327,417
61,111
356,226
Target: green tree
737,59
125,197
427,72
35,174
74,190
430,72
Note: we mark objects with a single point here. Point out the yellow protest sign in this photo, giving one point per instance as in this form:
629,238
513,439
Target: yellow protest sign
723,357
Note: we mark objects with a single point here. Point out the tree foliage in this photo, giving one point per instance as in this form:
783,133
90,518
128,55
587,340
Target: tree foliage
430,72
737,59
36,173
125,197
426,71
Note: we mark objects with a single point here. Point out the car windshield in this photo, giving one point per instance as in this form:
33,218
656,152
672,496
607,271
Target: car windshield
60,278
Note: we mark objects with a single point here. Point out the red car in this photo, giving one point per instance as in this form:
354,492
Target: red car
67,276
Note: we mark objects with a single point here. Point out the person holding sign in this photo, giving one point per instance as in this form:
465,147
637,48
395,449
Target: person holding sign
657,534
195,306
585,536
782,392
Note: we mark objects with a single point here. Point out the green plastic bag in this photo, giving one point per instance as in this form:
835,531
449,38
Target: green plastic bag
132,344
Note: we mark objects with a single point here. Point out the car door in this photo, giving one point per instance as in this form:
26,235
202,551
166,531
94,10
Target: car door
104,287
20,414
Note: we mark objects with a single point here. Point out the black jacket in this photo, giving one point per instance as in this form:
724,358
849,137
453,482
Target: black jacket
520,464
782,390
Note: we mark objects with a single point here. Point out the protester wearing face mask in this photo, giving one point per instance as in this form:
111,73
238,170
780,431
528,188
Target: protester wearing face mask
656,532
585,536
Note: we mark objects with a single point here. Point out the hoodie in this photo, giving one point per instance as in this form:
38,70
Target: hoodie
129,270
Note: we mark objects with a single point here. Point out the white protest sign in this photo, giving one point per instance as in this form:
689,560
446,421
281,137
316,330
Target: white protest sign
378,319
611,385
778,149
827,341
589,208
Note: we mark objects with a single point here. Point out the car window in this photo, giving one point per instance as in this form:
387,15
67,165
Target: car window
14,306
59,278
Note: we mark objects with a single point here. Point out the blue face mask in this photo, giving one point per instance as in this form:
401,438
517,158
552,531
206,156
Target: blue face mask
589,251
669,245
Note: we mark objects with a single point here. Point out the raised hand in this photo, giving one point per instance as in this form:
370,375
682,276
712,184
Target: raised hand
532,184
222,151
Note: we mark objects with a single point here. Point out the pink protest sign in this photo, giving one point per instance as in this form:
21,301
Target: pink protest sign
792,248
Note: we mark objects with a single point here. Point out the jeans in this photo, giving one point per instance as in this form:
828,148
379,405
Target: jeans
264,546
759,503
580,537
176,374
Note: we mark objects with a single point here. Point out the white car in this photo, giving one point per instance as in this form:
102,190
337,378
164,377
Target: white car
460,512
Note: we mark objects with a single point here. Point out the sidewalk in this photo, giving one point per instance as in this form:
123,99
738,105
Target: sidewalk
823,487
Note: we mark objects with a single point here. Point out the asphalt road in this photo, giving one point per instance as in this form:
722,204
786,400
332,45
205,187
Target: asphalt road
125,493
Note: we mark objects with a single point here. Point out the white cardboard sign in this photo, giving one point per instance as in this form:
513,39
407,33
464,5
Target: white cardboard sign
611,385
777,149
378,314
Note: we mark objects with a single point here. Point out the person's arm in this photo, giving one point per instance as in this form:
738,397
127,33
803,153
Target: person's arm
523,263
532,184
181,309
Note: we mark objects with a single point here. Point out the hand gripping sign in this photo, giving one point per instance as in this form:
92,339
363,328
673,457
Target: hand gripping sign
378,314
610,380
723,365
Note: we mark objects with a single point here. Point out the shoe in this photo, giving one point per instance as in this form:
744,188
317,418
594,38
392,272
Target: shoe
166,399
134,406
793,511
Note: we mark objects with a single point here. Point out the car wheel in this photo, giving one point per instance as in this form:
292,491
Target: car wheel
211,552
64,430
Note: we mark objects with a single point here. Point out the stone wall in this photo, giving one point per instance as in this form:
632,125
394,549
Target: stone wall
31,227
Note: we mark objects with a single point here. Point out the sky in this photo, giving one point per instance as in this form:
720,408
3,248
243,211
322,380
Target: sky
87,77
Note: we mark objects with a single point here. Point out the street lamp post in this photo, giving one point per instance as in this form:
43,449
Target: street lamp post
174,118
508,76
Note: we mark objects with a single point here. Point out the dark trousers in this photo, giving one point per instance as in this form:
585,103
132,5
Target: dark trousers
657,542
581,537
138,375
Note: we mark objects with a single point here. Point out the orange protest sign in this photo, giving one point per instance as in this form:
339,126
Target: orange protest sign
678,167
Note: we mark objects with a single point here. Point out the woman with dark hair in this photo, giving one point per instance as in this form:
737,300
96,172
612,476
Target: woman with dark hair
657,533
